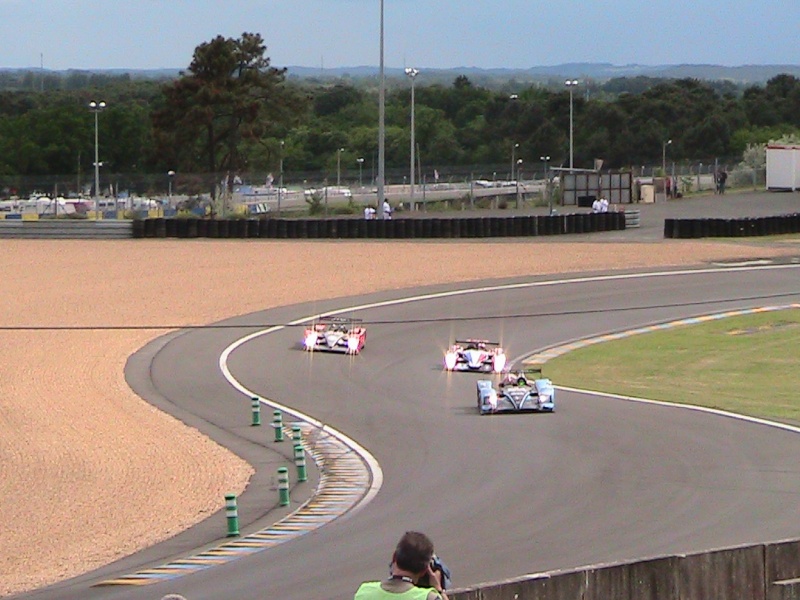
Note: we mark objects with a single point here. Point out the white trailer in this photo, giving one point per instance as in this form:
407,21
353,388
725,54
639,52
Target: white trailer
783,167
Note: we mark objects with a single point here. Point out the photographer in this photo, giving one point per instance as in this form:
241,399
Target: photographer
415,573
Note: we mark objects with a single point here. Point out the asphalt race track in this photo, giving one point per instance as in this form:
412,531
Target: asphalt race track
599,480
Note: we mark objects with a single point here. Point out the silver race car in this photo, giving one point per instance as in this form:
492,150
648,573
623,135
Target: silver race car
520,391
475,355
336,334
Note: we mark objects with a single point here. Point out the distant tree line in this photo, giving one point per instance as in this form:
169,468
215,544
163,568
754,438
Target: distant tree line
232,113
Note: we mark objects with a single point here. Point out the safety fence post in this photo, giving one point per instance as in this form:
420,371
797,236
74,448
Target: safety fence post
296,433
283,486
232,513
277,423
256,404
300,462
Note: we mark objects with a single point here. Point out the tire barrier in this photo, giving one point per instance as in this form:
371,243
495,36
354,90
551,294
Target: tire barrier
372,229
224,229
283,229
170,228
744,227
160,227
182,228
437,227
252,228
213,228
148,227
401,230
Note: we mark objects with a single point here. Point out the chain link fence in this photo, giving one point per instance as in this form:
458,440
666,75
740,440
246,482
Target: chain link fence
123,195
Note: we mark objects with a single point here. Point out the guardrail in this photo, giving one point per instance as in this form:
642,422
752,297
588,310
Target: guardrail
632,219
66,229
331,228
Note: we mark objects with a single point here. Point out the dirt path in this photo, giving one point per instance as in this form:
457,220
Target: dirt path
88,471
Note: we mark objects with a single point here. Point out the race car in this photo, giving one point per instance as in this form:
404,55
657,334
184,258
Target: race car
475,355
520,391
336,334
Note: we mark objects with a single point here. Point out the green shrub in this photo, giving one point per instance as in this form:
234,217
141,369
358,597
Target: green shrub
314,202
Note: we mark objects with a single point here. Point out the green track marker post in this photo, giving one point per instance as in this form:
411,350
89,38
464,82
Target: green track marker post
283,486
300,462
256,404
277,423
297,433
232,513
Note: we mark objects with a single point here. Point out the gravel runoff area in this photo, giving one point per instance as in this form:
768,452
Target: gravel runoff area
89,472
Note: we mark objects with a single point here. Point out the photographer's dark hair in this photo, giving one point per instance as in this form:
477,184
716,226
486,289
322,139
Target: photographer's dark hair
414,552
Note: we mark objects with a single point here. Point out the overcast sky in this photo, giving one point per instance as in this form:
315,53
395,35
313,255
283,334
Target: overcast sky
147,34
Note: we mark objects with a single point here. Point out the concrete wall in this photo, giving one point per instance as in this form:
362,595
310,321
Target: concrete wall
758,572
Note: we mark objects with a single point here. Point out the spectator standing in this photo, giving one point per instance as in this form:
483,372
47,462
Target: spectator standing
411,562
387,210
596,205
721,179
603,204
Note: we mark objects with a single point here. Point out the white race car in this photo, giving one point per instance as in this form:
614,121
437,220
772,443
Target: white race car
336,334
522,391
480,356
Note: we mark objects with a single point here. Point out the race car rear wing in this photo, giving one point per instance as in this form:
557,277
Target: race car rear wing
337,319
532,371
476,341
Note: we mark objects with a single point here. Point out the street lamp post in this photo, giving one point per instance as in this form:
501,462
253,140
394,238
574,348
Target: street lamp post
360,161
664,157
412,75
544,159
381,123
339,169
513,158
280,180
519,166
664,165
96,108
570,83
170,176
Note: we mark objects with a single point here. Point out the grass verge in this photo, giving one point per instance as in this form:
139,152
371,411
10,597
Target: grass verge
747,364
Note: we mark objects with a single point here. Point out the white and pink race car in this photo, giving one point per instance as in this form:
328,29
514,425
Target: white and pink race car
481,356
336,334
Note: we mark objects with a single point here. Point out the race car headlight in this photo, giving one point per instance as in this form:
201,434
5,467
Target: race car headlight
450,359
499,363
493,399
544,398
352,343
311,339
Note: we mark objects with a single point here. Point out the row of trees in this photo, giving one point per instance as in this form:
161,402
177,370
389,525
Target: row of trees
232,112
